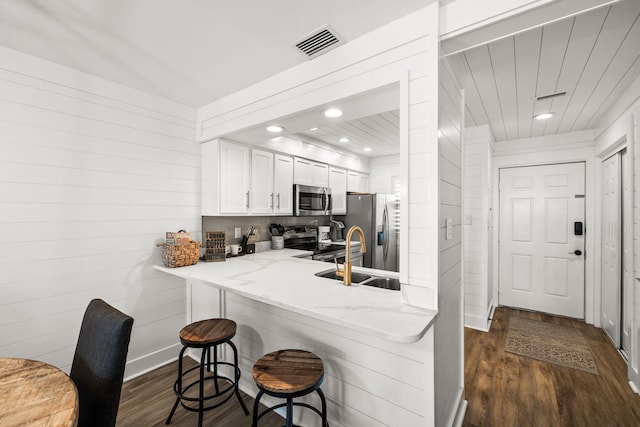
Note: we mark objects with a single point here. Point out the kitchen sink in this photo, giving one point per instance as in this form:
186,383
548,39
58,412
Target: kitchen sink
391,283
384,282
355,277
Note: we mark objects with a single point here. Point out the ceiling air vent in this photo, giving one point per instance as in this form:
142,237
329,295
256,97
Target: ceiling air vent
318,42
551,95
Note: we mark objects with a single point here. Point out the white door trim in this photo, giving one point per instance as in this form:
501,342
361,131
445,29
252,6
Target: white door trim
592,297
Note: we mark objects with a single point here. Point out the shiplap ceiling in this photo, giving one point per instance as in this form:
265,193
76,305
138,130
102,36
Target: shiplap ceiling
593,57
378,132
369,119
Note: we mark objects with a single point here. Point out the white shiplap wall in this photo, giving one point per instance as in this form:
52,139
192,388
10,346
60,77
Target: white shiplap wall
92,173
478,202
449,344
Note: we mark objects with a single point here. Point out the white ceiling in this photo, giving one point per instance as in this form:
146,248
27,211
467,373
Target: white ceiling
190,51
594,57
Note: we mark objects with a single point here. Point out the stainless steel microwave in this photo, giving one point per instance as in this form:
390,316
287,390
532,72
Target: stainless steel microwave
310,200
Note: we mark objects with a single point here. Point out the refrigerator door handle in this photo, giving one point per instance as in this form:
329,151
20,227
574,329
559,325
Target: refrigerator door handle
385,228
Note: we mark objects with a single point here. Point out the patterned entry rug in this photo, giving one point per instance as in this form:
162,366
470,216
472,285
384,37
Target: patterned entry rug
550,343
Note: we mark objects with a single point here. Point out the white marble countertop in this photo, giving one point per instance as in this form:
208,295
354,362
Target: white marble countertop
277,278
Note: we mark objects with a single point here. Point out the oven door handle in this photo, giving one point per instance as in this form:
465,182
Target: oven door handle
329,256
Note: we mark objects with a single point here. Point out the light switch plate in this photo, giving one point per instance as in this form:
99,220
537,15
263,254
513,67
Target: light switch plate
449,229
238,232
468,219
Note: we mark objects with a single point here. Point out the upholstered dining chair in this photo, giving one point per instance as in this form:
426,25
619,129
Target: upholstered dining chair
98,363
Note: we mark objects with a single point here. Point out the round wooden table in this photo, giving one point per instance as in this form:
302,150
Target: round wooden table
36,394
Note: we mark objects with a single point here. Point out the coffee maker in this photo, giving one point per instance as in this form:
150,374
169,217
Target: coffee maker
337,231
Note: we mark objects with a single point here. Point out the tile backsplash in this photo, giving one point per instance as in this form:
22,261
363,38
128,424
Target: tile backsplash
229,223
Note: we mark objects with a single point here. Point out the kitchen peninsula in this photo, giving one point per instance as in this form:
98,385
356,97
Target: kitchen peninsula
373,344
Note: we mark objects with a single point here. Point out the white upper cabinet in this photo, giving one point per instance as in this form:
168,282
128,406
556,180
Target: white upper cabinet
338,185
271,183
358,182
239,180
283,184
262,198
363,183
225,178
308,172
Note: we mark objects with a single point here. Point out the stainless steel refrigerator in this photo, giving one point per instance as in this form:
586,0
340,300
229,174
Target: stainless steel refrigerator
378,216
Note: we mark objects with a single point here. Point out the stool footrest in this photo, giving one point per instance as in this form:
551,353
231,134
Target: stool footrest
282,405
224,394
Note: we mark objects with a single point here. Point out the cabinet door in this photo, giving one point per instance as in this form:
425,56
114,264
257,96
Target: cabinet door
302,171
338,185
262,197
234,178
353,179
283,184
363,183
320,174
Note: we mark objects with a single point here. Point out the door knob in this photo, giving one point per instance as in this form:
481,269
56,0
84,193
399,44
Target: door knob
576,252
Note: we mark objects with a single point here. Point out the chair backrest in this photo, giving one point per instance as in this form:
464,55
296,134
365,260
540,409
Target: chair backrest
98,363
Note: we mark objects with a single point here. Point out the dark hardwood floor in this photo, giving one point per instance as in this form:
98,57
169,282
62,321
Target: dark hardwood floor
147,400
503,389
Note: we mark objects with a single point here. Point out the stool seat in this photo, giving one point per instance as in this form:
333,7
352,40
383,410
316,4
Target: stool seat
207,332
288,372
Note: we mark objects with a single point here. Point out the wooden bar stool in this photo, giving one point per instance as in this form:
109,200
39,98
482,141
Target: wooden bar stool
207,335
289,374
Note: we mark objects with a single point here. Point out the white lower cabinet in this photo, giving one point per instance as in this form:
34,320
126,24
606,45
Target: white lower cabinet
338,185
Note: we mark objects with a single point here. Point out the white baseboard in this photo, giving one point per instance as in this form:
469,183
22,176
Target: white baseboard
477,322
462,409
151,361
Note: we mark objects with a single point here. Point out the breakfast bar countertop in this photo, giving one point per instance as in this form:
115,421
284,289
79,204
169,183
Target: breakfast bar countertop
278,278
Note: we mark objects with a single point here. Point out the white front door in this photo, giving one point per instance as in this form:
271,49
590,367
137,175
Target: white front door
541,264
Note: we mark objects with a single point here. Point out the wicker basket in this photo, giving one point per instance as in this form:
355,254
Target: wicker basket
180,255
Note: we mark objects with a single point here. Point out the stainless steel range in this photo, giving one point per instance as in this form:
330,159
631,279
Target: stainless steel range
306,238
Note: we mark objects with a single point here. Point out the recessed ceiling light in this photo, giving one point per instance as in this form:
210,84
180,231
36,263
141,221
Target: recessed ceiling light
312,129
344,140
275,128
544,116
332,113
367,149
